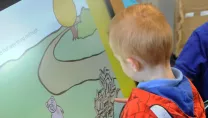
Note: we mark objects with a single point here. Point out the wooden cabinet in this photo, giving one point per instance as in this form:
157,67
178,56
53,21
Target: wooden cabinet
117,5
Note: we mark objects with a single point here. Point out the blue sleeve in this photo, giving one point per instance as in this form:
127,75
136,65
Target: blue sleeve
193,56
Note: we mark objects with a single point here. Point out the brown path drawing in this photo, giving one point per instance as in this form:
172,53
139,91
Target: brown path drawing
58,77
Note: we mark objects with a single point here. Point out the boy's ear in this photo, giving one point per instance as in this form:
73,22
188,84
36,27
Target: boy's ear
135,65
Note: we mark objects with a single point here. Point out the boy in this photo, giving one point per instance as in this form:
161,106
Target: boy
193,60
141,39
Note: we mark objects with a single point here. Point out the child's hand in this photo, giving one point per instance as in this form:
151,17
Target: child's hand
121,100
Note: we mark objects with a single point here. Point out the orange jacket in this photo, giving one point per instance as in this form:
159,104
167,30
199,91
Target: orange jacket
143,104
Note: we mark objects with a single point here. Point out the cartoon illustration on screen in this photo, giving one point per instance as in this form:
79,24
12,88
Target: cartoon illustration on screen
65,12
61,58
53,67
104,101
56,111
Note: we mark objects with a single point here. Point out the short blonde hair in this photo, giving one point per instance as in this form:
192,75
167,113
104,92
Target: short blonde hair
141,30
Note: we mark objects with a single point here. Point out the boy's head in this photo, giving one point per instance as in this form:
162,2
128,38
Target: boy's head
141,39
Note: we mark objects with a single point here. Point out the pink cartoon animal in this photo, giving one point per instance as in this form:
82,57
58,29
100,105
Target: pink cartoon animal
56,111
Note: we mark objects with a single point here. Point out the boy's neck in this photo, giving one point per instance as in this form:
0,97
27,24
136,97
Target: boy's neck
159,72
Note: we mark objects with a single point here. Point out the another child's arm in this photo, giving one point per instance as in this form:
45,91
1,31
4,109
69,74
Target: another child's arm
121,100
192,56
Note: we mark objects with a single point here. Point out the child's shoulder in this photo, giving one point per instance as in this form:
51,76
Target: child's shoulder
145,104
201,33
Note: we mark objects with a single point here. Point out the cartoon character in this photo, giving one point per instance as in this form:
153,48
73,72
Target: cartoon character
56,111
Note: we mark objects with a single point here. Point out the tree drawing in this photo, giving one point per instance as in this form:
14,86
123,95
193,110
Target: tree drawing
65,12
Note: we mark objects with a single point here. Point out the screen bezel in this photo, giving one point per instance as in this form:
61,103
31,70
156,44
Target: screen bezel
110,8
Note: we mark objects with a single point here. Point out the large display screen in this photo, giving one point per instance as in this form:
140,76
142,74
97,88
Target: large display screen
53,63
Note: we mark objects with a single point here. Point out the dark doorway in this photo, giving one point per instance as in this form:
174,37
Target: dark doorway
7,3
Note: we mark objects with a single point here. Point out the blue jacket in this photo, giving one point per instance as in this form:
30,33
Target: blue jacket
181,91
193,60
